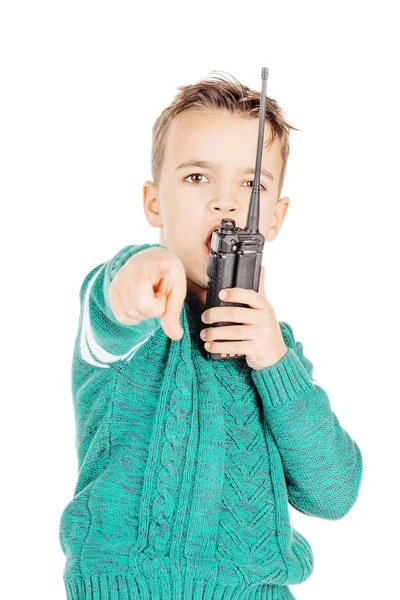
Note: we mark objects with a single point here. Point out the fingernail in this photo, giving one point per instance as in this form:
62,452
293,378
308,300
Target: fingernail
222,294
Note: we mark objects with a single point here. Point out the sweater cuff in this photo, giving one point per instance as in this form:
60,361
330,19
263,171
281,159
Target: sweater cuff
282,382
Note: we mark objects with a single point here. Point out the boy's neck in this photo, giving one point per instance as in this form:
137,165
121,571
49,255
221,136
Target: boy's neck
199,292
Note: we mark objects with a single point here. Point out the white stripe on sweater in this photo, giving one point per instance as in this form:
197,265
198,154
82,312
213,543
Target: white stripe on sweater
87,340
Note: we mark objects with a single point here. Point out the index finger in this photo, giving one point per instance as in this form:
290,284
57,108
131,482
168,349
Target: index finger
174,303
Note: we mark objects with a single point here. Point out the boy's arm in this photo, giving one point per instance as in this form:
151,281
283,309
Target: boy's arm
101,339
322,464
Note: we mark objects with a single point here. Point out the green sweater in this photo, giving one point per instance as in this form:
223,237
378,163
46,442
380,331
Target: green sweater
186,465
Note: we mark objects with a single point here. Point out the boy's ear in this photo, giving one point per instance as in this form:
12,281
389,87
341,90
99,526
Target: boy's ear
278,217
150,203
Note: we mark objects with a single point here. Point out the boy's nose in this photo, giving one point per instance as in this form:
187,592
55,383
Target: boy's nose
226,204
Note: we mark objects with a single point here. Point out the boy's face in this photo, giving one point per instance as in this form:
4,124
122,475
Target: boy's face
190,200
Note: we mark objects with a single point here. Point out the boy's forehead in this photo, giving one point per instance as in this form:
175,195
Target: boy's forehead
215,135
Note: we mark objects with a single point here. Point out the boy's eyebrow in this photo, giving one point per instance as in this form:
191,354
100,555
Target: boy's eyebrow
205,164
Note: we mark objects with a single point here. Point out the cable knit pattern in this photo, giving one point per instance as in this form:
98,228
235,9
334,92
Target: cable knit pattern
171,456
186,466
248,505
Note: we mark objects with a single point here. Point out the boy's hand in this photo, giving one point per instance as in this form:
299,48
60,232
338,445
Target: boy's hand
263,343
151,283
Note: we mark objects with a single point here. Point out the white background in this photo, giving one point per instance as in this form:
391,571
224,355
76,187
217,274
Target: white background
82,84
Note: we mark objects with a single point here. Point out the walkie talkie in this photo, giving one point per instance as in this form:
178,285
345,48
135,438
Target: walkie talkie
236,254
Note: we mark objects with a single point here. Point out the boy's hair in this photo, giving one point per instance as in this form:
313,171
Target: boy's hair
218,93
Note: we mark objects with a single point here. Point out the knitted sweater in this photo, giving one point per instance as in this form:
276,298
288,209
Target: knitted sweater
186,465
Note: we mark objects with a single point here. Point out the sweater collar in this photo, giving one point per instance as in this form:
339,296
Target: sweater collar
195,304
196,308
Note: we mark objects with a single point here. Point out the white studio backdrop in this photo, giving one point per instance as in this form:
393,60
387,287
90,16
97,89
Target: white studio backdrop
82,84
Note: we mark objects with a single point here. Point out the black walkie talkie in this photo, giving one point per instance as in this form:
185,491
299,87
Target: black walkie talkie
236,254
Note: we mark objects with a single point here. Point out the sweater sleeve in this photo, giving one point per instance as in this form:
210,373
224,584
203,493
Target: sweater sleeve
102,340
322,463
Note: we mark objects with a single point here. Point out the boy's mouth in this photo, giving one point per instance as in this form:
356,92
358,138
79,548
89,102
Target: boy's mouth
207,241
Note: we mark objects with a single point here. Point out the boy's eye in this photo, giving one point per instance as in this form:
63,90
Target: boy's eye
252,181
194,175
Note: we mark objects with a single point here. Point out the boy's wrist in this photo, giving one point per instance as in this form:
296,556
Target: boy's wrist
273,359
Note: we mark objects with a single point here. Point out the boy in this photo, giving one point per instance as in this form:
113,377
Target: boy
187,465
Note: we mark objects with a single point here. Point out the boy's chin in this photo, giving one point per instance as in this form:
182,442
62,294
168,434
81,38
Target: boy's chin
197,285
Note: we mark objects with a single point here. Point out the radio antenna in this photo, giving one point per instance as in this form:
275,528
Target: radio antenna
253,215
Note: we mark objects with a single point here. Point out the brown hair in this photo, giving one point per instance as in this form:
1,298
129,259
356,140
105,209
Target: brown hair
219,93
